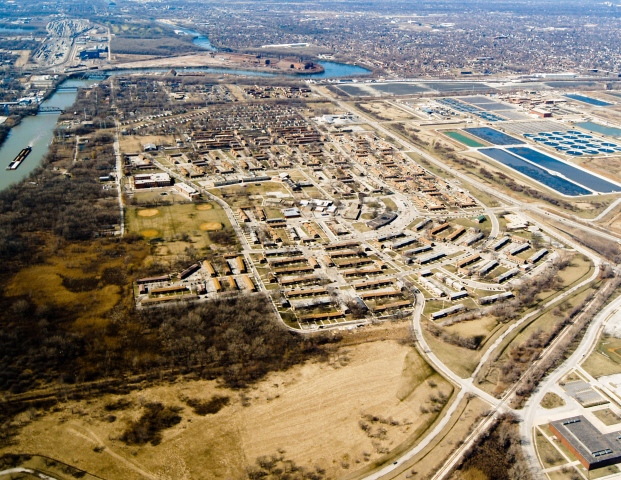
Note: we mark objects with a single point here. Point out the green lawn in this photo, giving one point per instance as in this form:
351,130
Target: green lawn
390,204
461,138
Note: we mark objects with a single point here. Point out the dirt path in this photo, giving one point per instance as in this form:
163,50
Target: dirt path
94,439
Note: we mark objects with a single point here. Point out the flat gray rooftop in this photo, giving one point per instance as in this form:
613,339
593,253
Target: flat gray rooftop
593,445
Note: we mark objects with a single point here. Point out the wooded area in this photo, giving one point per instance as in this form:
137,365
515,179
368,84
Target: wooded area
66,312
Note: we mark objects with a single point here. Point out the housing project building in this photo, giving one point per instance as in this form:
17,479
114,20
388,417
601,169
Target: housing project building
592,448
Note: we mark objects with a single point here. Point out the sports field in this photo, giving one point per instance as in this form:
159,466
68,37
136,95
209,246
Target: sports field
170,221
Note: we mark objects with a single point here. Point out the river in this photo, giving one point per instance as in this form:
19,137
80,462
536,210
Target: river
330,69
36,131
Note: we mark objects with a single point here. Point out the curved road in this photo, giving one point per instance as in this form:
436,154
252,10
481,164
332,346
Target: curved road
466,385
584,349
462,176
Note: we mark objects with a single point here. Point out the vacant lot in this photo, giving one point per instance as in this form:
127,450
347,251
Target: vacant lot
607,416
133,144
552,400
339,416
386,111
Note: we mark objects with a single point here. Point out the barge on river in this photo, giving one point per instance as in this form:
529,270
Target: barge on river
21,156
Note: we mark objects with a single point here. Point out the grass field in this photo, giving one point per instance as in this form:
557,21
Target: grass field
579,269
606,358
480,326
607,416
385,111
177,228
390,204
173,220
552,400
468,413
460,360
312,414
237,196
548,453
485,227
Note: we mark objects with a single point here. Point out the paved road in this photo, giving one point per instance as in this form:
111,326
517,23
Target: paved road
119,162
610,208
588,230
532,409
13,471
466,385
509,200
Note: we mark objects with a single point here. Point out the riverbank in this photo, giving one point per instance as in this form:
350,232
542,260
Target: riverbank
230,61
36,131
15,118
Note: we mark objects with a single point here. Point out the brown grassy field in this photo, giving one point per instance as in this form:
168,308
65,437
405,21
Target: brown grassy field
134,144
607,416
433,456
312,414
385,111
180,225
81,278
552,400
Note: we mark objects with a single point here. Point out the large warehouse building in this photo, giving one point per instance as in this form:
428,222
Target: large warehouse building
593,448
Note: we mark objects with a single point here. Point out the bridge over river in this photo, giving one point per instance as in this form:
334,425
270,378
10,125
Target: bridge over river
50,109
